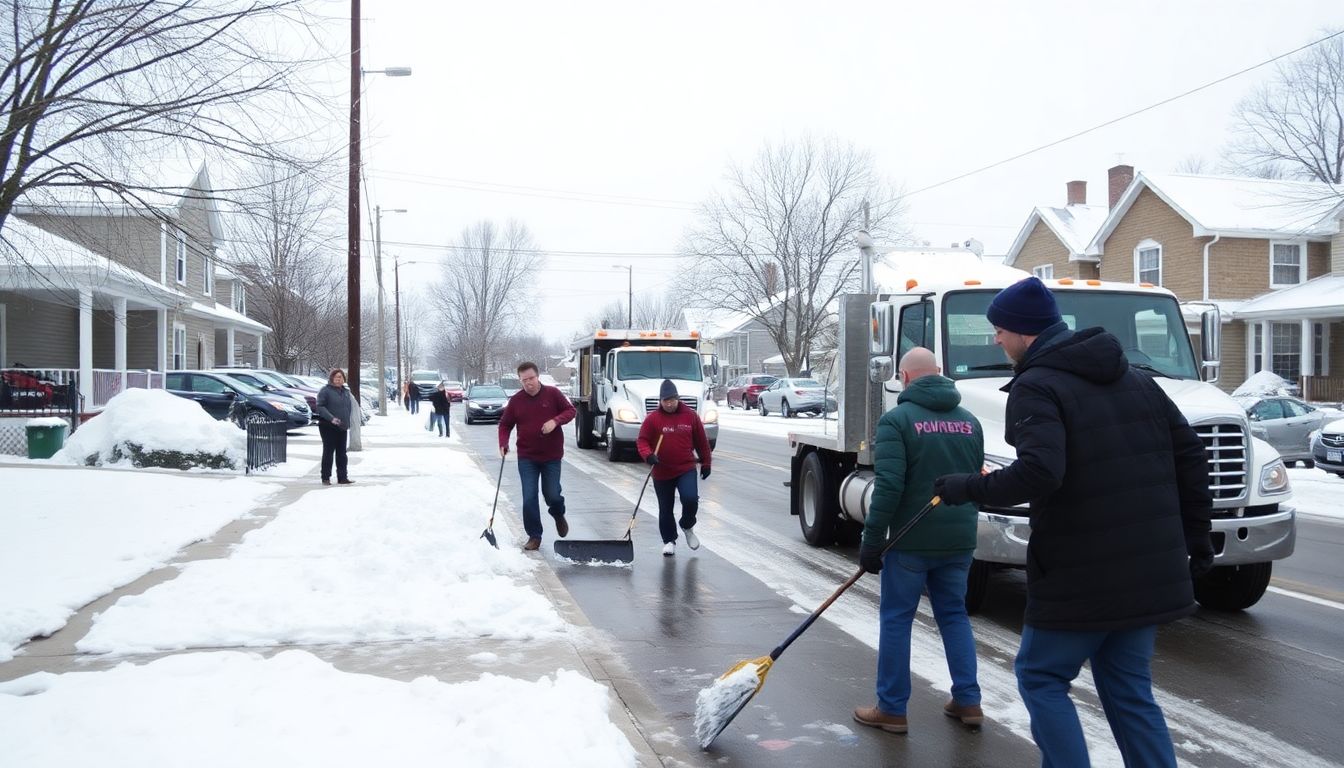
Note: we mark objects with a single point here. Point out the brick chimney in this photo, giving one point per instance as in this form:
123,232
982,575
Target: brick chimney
1120,176
1077,192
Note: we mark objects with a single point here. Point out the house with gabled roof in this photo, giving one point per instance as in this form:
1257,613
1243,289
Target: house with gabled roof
1268,252
109,294
1057,242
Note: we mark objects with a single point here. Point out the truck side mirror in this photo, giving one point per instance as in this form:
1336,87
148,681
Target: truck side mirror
1210,342
879,368
882,323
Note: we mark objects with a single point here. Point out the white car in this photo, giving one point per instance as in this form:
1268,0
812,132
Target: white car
1327,447
790,397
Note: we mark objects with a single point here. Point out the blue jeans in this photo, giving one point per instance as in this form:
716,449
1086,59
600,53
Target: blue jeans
904,577
685,486
441,419
549,473
1047,663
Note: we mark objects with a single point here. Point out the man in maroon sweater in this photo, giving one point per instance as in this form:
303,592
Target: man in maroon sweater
538,411
683,437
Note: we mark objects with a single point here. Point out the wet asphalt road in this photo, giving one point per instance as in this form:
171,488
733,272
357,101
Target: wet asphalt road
1264,687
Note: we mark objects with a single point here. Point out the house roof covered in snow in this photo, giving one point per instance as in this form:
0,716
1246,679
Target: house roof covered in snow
1235,206
1317,298
1073,225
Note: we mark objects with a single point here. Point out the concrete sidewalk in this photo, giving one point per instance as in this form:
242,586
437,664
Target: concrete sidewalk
583,649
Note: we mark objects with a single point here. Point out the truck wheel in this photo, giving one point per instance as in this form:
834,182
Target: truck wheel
613,450
583,428
1233,587
785,410
977,585
818,506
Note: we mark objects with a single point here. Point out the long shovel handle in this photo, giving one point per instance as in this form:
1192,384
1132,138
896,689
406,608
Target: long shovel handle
775,654
498,482
631,527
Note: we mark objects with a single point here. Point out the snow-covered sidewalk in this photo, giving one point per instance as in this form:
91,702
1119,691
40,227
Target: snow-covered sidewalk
388,576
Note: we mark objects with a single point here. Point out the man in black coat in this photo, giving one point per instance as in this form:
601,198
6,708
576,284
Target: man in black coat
1118,485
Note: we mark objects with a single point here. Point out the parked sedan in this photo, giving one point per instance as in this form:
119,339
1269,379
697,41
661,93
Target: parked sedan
789,397
268,381
1327,447
227,398
743,390
1286,423
485,402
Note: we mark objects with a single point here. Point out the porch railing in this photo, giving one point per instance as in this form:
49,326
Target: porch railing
1323,389
64,383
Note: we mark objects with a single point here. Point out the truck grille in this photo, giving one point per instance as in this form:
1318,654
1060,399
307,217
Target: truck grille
1226,447
651,403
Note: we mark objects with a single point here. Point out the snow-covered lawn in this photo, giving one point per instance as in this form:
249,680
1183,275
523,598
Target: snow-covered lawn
774,424
1317,492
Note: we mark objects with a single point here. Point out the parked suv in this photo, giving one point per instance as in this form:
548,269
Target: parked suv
426,381
743,391
227,398
1327,447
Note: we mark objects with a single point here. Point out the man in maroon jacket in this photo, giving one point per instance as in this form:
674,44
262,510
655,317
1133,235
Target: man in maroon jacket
538,411
683,437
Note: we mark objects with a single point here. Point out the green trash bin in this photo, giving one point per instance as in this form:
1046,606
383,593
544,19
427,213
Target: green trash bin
46,436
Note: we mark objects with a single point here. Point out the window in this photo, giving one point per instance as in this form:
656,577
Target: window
1285,264
208,280
1293,409
239,298
1285,351
1044,271
916,328
208,385
1267,410
181,256
179,346
1319,344
1148,263
176,381
1257,347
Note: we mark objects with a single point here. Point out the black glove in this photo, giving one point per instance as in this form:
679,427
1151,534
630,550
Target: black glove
870,557
953,489
651,459
704,471
1200,564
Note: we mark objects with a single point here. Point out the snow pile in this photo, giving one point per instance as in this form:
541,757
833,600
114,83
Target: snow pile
156,428
60,550
365,563
1264,383
234,708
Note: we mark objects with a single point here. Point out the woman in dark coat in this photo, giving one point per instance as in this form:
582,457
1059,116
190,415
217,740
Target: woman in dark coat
443,406
335,408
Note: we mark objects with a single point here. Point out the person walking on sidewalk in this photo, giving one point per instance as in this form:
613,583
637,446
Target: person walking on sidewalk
413,396
927,434
335,408
683,436
538,411
443,407
1119,490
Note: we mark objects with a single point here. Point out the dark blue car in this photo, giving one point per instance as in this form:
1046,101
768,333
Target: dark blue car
225,397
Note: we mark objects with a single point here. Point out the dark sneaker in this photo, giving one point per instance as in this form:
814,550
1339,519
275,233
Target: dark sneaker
345,482
532,545
968,715
876,718
561,526
326,481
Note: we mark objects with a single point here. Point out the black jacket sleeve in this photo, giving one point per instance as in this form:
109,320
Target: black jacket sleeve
1035,429
1192,480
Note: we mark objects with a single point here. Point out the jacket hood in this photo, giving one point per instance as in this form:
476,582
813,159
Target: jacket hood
937,393
1092,354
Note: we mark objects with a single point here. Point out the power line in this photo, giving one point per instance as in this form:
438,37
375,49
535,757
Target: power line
524,191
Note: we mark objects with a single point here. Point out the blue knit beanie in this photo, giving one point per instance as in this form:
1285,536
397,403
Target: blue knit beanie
1026,307
668,390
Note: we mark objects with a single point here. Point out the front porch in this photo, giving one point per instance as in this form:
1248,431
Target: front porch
1298,333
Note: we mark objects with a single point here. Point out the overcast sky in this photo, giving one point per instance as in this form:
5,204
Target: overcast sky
602,125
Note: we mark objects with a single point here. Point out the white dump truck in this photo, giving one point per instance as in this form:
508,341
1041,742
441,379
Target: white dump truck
939,302
618,377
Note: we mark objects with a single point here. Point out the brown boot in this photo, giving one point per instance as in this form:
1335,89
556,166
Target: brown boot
876,718
561,526
532,545
968,715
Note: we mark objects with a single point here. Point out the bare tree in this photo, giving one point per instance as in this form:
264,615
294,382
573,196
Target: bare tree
284,248
93,91
611,315
1193,163
778,243
485,282
1294,124
662,311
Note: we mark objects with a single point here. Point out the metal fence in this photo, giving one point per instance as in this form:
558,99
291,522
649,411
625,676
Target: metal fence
267,444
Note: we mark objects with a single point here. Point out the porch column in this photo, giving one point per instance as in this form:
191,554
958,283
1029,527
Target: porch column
1266,346
86,346
1305,367
162,352
228,347
119,339
260,338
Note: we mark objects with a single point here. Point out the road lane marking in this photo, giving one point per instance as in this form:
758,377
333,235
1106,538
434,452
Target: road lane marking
739,457
1306,597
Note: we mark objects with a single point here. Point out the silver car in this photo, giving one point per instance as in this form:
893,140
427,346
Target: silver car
789,397
1287,424
1327,447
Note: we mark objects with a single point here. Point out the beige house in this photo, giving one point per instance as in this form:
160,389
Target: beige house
1269,253
111,295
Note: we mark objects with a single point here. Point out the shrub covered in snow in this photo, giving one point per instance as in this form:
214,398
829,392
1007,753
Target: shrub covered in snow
153,428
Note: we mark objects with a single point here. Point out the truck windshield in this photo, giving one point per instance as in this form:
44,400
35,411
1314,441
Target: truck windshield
639,364
1148,325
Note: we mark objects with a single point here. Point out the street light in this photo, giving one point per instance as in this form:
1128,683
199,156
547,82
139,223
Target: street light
630,293
396,295
382,327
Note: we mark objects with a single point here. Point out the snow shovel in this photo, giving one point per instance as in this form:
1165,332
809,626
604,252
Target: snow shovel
489,533
717,705
620,550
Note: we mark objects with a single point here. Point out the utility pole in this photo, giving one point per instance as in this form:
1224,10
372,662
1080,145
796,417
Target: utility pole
352,229
629,293
382,329
865,243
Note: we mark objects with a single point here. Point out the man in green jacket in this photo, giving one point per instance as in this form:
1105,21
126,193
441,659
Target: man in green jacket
926,435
